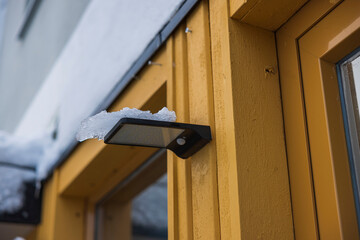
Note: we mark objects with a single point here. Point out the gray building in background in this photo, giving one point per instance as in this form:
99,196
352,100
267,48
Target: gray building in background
32,35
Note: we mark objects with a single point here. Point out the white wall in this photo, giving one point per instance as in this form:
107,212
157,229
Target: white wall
24,64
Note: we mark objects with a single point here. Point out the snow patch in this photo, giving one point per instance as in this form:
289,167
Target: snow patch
95,58
12,194
149,207
19,151
23,150
100,124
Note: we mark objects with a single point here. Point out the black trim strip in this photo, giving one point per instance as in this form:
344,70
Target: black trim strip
17,166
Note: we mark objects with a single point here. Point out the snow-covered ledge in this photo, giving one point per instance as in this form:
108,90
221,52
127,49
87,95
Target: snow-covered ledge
111,35
109,38
99,125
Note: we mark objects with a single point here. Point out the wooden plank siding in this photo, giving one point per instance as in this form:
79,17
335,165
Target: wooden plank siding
222,73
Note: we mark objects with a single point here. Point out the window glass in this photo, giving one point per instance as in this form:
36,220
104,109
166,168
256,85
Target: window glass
355,67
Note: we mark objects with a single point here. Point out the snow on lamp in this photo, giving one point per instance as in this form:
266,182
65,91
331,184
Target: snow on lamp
141,128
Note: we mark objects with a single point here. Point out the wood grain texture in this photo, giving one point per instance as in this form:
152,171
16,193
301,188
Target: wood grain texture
236,187
201,111
70,213
300,169
115,221
173,207
259,135
252,169
224,134
60,214
269,15
45,230
184,180
329,159
179,187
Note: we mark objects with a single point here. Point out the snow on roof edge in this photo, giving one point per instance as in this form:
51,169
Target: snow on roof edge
177,17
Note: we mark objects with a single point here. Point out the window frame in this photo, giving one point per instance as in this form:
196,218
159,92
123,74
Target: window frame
308,50
351,131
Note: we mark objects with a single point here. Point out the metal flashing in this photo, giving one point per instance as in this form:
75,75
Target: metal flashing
176,20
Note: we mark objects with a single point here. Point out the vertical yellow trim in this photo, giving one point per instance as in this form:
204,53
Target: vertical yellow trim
179,170
225,126
62,218
173,214
333,217
45,231
203,163
69,219
252,167
333,188
303,200
182,111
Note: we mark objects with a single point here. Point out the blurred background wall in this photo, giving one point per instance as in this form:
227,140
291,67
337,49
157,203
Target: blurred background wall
25,62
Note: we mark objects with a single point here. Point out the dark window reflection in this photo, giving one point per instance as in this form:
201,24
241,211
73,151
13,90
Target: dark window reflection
149,212
136,209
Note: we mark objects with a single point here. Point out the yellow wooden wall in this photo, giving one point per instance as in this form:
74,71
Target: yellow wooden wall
223,74
252,170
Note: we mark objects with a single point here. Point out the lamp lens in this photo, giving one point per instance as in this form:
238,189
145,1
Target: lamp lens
131,134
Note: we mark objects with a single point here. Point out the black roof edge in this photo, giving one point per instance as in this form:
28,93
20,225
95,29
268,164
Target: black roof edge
130,75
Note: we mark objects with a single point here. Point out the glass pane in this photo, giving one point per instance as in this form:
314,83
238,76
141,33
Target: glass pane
350,72
355,67
149,212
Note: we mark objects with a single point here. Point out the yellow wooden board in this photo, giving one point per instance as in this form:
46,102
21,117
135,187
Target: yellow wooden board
254,197
201,111
266,14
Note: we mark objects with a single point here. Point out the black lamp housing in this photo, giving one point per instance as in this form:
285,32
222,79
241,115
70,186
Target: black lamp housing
181,138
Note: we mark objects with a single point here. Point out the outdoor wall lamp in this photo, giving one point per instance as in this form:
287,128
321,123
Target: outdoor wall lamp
181,138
